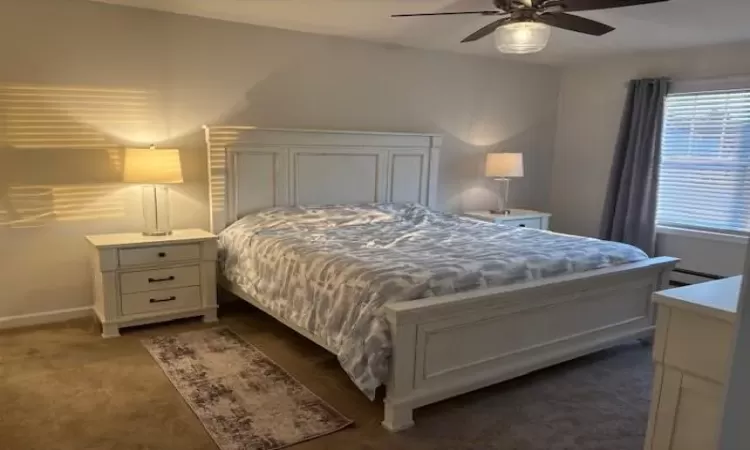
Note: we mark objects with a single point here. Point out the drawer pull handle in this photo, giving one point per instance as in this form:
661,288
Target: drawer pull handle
162,300
162,255
159,280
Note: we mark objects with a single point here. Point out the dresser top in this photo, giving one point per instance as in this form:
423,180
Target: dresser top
714,298
513,214
138,239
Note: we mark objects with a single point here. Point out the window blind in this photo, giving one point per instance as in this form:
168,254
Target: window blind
704,178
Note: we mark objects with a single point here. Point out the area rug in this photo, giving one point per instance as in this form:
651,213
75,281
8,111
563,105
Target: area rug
244,399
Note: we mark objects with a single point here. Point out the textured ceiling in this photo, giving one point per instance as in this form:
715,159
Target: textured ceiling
674,24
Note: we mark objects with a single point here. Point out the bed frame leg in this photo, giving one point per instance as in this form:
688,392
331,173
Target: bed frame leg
397,417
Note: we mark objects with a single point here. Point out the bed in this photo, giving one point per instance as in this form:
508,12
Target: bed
428,328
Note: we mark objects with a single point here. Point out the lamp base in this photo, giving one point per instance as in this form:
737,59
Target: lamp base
156,211
157,233
502,199
504,212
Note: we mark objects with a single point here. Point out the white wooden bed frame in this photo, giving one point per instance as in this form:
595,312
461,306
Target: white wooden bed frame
442,346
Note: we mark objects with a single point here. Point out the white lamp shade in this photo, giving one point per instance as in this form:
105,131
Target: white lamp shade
152,166
504,165
522,37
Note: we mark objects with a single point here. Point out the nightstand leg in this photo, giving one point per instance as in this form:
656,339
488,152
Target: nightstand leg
397,418
110,330
210,317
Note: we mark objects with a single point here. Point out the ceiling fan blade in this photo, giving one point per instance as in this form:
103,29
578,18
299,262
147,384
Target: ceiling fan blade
590,5
484,13
575,23
485,30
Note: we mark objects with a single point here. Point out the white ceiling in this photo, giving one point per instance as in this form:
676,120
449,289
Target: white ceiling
674,24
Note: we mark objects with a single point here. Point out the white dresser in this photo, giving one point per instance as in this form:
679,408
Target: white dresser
515,218
694,332
146,279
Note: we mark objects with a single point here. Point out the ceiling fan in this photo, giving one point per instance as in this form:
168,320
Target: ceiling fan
524,26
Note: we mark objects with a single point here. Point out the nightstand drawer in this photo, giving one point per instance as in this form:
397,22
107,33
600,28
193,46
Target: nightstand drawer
158,254
161,300
152,280
528,223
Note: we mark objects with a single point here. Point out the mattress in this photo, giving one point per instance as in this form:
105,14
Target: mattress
330,270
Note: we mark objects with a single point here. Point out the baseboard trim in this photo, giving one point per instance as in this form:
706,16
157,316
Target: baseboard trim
59,315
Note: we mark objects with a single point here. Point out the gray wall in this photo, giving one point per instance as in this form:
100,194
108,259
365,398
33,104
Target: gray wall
80,79
590,106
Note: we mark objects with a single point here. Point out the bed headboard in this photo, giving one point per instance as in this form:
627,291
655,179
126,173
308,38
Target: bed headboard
251,169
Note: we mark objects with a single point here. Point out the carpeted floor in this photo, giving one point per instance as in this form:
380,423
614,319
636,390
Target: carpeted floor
63,387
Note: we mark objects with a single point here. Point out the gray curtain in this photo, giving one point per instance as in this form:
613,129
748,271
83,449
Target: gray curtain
630,209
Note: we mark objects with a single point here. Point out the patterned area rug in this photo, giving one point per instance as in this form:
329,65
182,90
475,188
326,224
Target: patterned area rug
244,399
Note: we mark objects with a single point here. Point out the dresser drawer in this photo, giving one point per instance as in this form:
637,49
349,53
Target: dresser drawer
158,254
161,300
698,344
528,223
151,280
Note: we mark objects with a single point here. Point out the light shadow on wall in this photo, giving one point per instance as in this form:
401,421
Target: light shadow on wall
217,140
58,159
529,191
30,206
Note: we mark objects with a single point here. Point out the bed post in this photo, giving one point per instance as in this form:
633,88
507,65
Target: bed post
662,282
398,412
432,189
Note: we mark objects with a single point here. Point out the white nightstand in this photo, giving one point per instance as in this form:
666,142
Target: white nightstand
516,218
146,279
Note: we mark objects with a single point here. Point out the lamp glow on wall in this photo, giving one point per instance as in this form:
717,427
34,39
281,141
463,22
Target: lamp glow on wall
522,37
155,169
503,167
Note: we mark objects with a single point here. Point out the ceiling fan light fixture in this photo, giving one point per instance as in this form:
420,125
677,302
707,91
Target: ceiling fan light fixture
522,37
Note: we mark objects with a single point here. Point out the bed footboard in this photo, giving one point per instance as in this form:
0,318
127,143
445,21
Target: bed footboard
449,345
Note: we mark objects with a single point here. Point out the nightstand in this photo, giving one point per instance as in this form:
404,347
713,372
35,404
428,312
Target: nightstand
147,279
516,218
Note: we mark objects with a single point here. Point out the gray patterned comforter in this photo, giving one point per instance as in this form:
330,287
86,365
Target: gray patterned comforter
329,270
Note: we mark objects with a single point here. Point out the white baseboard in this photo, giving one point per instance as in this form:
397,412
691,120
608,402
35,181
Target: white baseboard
59,315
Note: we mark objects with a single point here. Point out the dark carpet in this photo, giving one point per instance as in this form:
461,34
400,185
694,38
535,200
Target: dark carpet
64,387
599,402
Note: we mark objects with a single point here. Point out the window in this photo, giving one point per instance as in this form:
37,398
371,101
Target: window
704,179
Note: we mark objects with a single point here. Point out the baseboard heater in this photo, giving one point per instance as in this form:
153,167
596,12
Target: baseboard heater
703,276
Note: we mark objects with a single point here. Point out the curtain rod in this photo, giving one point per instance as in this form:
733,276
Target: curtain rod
740,77
720,78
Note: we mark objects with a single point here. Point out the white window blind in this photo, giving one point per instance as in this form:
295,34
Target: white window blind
704,179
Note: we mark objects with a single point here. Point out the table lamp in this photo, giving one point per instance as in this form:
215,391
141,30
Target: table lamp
155,169
503,167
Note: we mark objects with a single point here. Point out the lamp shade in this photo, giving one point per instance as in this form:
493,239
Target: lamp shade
504,165
152,166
